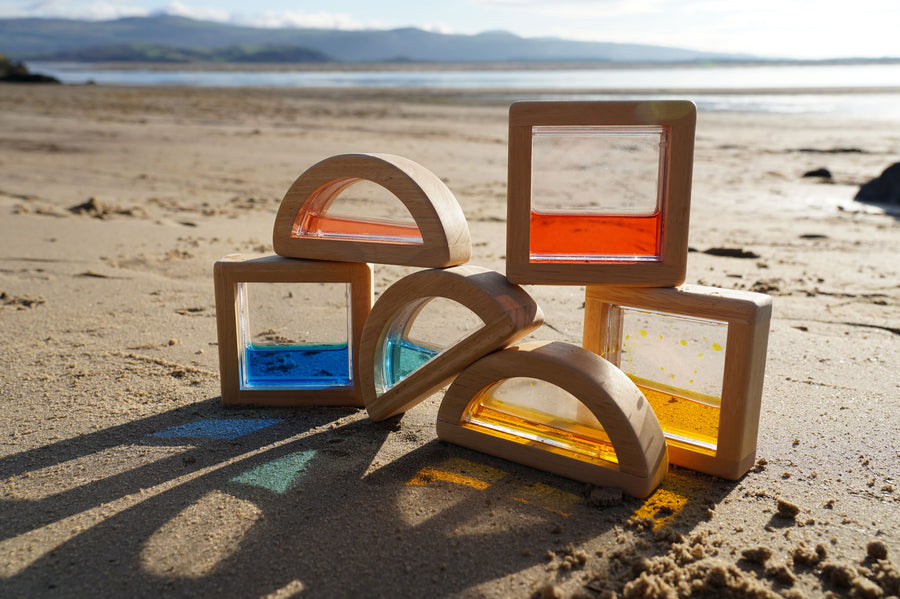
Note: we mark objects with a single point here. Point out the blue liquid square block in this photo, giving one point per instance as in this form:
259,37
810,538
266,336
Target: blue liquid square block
279,371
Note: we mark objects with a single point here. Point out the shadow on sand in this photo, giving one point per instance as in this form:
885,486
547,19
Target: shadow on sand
205,501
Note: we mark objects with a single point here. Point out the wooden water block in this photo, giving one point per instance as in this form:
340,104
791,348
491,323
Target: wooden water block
599,192
289,330
435,234
698,354
559,408
506,312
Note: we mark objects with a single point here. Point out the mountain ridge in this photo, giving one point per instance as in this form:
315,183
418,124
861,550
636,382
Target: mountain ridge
39,38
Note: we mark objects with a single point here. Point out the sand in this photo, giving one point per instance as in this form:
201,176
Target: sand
122,475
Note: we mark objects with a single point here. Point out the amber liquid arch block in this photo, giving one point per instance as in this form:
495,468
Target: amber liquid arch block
736,356
233,275
629,426
617,241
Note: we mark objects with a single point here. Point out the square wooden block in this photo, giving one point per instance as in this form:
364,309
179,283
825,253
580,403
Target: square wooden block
289,330
599,192
698,354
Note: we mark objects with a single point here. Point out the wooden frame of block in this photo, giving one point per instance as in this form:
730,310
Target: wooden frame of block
507,311
235,269
675,120
747,316
445,239
626,417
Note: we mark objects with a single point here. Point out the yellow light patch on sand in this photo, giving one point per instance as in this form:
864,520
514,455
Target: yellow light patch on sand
191,544
459,472
661,507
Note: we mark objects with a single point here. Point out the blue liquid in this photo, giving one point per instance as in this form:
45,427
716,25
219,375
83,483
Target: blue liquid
297,366
402,358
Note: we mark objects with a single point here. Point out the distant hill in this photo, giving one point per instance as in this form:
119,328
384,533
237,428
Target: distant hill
172,54
34,38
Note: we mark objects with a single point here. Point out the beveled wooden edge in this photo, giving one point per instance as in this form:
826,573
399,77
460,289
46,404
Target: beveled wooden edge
602,388
748,315
235,268
730,305
442,224
677,116
507,310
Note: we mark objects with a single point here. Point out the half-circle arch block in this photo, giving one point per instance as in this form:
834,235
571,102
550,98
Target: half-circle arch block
439,239
627,420
507,311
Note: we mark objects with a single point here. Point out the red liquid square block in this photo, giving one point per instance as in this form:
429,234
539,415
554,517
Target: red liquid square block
599,192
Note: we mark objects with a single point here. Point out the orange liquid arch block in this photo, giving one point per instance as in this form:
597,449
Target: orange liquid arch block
599,192
431,230
698,355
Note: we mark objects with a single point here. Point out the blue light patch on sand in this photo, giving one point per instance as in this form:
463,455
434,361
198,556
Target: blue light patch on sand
228,428
278,475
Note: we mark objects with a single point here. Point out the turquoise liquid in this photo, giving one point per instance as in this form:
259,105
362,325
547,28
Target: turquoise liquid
297,366
402,358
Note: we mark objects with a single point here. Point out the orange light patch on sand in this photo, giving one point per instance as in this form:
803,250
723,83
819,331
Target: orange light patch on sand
661,507
459,472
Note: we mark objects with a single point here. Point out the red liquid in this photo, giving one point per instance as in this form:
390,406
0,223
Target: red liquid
312,225
594,236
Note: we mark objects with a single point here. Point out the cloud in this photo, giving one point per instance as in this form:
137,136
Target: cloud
91,11
201,13
314,20
578,9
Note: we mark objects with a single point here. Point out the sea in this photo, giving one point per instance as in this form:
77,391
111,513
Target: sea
868,90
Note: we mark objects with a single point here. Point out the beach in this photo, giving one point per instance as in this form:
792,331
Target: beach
116,202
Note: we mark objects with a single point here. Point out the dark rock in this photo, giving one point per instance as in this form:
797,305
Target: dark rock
17,72
884,189
822,173
731,252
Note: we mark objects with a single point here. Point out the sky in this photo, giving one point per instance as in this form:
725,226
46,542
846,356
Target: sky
806,29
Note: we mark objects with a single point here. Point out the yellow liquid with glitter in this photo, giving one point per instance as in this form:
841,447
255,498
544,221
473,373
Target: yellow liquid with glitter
563,436
689,421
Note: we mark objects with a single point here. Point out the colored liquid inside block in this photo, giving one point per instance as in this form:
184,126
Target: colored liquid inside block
335,227
536,413
678,364
419,332
687,423
402,357
294,335
297,366
589,238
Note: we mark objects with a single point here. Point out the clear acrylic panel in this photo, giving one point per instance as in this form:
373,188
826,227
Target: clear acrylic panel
294,335
596,193
678,363
539,412
419,333
357,210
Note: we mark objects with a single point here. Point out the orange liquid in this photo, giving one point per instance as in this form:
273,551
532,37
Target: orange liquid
327,227
593,236
568,438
